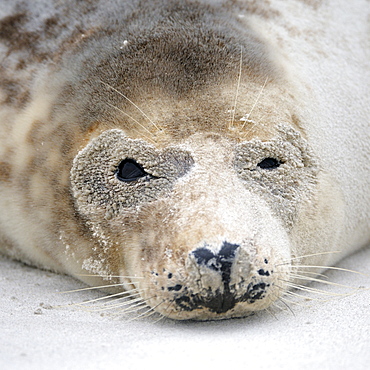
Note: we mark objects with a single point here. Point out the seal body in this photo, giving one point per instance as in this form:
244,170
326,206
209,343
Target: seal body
198,153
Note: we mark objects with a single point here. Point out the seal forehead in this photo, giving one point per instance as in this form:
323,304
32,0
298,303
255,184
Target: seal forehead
196,41
189,45
175,53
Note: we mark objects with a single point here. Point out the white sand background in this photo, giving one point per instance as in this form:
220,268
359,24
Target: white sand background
37,334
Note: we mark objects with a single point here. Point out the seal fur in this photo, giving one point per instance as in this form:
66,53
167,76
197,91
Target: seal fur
184,149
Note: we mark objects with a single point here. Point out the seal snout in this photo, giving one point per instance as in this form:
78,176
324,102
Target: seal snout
217,283
225,279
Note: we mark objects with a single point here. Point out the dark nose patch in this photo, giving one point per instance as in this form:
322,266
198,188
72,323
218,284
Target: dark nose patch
221,261
223,298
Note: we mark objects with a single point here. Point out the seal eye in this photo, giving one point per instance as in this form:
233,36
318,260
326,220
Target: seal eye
129,170
269,164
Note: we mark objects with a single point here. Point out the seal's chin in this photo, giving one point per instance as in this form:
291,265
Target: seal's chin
217,284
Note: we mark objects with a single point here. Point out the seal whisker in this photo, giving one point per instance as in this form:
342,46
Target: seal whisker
126,300
136,292
164,312
332,268
134,120
112,276
161,317
113,305
109,296
149,312
129,298
91,288
277,295
237,89
304,301
133,308
285,302
304,297
276,305
289,260
284,299
269,311
98,299
314,290
138,306
312,273
246,118
146,314
316,299
140,301
131,102
311,279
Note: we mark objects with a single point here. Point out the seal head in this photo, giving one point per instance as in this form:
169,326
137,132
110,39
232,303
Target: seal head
197,226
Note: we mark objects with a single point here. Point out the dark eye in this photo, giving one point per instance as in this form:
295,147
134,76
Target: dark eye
269,164
129,170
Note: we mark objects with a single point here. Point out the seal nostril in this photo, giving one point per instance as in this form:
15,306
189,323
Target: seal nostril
206,257
220,261
228,250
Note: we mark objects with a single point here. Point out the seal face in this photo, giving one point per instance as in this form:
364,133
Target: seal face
162,148
202,253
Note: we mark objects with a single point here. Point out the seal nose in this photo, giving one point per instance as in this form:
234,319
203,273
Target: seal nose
217,295
220,262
